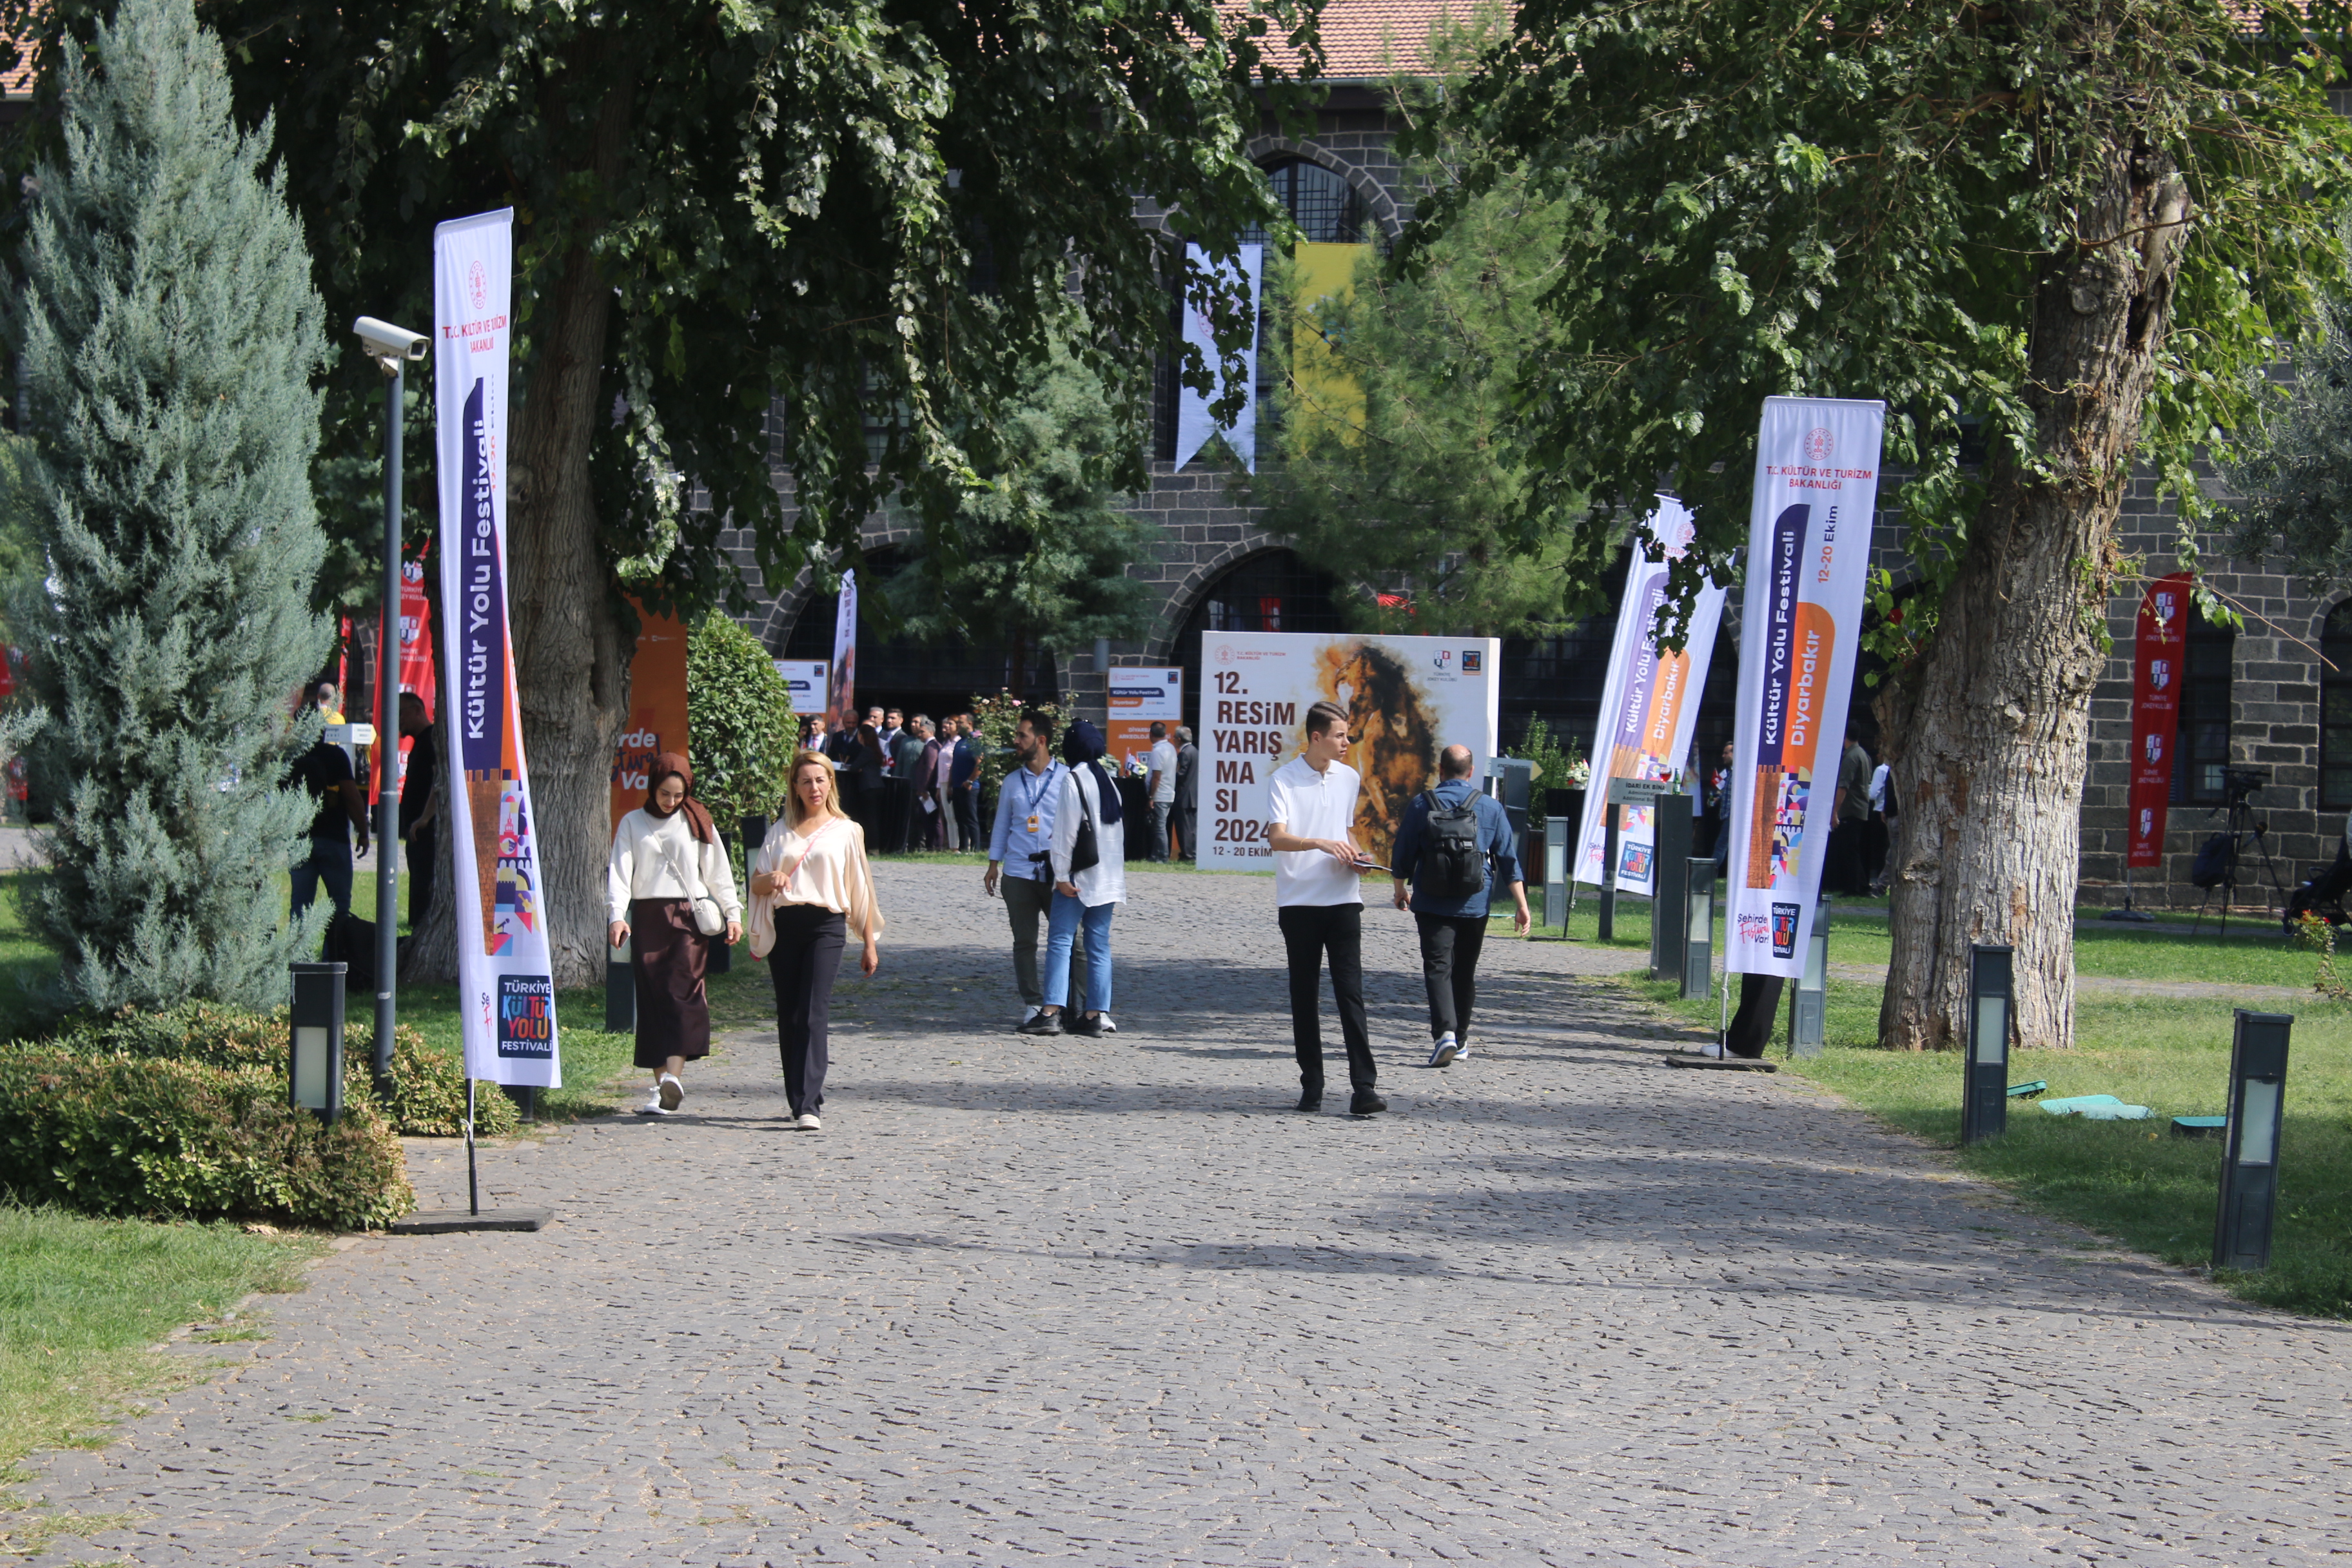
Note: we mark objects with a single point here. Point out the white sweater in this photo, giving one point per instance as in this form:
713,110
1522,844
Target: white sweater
648,854
1104,881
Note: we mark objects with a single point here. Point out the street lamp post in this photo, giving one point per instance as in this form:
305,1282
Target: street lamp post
2242,1223
392,348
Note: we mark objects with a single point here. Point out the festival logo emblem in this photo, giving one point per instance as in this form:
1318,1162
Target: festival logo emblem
1784,930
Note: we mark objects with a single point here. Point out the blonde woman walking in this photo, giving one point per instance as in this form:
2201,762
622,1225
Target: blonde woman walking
665,857
810,887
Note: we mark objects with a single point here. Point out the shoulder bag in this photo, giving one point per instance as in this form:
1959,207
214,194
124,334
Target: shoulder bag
708,918
1084,855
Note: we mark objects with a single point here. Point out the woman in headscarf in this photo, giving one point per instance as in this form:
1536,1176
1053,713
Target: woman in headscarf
666,854
1085,898
811,887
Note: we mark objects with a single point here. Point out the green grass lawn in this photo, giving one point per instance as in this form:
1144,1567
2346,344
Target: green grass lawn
81,1300
2132,1181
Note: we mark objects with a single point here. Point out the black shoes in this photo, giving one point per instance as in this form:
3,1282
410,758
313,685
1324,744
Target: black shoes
1366,1103
1091,1025
1043,1024
1311,1100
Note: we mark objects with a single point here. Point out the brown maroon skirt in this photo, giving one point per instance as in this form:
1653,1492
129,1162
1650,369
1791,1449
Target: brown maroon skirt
667,955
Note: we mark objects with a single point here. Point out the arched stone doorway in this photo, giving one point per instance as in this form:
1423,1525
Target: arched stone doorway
1273,591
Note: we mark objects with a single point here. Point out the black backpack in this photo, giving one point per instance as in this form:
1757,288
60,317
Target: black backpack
1453,866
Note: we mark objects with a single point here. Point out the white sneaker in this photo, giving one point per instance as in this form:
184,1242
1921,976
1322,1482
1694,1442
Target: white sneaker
1443,1053
1713,1050
1030,1013
809,1124
1107,1026
653,1106
1461,1050
669,1092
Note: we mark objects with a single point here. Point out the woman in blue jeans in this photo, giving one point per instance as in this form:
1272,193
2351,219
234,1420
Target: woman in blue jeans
1084,899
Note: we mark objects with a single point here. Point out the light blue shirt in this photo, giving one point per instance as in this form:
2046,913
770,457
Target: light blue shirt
1025,797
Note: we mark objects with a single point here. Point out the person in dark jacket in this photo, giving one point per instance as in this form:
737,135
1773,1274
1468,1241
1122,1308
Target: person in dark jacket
1454,927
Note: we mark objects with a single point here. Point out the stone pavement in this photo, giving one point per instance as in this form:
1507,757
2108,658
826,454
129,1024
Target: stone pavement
1112,1304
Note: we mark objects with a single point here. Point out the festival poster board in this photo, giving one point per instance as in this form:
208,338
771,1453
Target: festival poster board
1407,700
804,679
1815,496
657,708
2160,660
1139,696
1649,703
506,984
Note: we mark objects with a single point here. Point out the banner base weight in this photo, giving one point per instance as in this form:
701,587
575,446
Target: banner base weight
447,1222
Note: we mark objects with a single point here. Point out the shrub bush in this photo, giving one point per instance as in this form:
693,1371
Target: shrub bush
115,1133
428,1093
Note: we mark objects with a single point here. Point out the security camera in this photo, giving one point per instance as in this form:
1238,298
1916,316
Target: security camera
384,340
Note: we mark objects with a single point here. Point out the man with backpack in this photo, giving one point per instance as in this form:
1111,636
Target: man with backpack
1453,850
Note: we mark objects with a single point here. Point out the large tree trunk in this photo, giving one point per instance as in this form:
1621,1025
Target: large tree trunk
571,648
1988,731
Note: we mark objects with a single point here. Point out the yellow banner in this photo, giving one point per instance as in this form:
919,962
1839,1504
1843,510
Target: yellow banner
1326,393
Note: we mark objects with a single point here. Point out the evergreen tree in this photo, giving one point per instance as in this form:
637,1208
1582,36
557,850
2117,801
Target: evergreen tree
172,333
1404,462
1038,556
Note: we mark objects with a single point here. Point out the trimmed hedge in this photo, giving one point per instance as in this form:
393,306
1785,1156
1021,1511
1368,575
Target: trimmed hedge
182,1114
120,1134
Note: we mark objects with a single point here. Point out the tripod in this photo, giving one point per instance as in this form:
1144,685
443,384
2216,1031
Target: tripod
2243,826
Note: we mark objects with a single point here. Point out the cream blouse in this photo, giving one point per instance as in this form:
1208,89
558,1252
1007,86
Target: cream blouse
829,870
650,855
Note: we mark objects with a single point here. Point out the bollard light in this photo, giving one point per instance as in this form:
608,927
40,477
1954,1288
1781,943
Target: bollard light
1984,1095
2242,1223
1670,821
1554,872
314,1065
1809,1004
1698,930
1609,818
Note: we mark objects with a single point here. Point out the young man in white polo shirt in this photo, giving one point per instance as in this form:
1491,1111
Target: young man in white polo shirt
1320,901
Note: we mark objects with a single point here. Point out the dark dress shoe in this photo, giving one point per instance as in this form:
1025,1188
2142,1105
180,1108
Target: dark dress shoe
1366,1103
1043,1024
1311,1100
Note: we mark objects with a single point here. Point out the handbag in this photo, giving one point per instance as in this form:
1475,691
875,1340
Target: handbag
1084,855
763,919
708,918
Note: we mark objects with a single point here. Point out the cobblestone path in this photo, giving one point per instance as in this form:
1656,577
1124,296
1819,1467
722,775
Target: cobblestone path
1113,1303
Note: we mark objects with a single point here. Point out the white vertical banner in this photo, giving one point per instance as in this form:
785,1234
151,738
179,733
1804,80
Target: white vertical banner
1648,705
841,681
506,984
1807,548
1194,423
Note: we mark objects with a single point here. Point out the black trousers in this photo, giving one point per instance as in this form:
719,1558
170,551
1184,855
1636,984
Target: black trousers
424,860
1752,1025
967,816
1450,945
1310,932
1843,873
807,955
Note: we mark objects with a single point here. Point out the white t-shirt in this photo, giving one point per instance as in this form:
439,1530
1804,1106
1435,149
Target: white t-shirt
1164,759
1314,805
1878,788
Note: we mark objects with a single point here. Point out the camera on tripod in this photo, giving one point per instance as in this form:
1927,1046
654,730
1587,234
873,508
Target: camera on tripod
2238,783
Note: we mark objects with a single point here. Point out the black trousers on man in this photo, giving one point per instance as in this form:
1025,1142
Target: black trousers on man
1310,933
1450,945
424,860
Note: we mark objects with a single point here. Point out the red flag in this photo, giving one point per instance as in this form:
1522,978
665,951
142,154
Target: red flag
2157,670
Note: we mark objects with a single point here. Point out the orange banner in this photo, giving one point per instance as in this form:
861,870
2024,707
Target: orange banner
657,708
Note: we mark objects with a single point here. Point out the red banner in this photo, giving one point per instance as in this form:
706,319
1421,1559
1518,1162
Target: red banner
657,708
2157,670
417,671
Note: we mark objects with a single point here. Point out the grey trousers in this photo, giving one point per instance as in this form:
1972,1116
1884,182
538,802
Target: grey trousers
1026,904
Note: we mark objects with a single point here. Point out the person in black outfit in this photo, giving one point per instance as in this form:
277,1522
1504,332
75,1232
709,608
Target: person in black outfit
420,803
326,772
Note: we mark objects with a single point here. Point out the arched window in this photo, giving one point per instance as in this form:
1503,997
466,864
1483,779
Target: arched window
2336,709
1323,205
2202,754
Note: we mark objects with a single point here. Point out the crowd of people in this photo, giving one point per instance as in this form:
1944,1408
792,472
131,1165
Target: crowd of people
1057,856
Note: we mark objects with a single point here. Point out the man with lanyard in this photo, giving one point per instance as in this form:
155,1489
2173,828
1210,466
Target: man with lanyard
1319,903
1023,837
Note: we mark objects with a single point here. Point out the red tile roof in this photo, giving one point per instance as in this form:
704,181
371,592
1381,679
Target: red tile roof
1366,40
